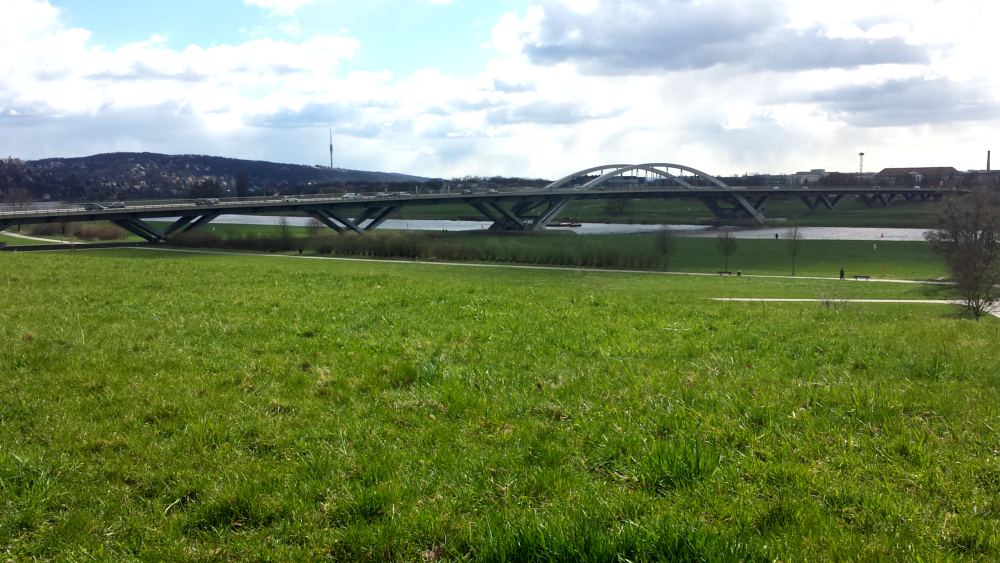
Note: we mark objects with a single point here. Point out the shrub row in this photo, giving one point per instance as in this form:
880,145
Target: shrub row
249,241
424,247
88,231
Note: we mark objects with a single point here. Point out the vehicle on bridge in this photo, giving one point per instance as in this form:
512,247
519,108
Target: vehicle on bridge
119,205
207,201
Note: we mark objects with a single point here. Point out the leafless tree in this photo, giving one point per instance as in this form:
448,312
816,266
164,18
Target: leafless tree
314,227
727,244
283,228
666,243
968,238
617,206
793,241
17,199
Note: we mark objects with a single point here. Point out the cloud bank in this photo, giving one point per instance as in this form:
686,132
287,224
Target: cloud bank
723,85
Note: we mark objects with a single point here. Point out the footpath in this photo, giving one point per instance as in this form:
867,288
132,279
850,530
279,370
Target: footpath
26,237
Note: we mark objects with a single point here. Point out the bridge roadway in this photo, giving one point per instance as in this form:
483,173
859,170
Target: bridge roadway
523,209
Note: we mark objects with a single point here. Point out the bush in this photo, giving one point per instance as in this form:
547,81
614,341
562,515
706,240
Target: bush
48,229
88,231
198,239
202,239
389,244
101,232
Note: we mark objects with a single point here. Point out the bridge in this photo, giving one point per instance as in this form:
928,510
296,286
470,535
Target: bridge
524,209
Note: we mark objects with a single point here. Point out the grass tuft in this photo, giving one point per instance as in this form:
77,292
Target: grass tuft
669,464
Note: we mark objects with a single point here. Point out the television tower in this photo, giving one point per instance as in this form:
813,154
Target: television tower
331,148
861,168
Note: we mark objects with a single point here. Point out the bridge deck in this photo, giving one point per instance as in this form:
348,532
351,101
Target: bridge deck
510,206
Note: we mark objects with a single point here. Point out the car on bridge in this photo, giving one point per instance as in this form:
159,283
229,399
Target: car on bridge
204,201
117,205
351,196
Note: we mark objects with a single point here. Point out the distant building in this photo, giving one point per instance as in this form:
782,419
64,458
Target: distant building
916,176
623,181
807,178
756,180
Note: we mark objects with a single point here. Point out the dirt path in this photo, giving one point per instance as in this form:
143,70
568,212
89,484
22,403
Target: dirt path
26,237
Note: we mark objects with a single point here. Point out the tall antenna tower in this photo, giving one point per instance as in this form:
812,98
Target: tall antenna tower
861,168
331,148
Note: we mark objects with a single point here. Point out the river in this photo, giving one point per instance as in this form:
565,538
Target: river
807,233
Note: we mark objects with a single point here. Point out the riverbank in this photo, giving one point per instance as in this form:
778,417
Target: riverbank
848,213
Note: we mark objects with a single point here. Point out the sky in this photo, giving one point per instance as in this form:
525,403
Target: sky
536,88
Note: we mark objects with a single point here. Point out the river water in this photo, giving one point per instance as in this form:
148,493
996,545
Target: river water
807,233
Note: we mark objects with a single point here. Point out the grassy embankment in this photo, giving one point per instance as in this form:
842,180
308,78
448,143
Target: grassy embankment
901,260
189,407
895,260
849,213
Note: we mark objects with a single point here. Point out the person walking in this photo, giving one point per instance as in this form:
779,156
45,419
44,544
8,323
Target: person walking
841,273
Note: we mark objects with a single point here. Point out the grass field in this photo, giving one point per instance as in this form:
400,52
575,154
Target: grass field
164,406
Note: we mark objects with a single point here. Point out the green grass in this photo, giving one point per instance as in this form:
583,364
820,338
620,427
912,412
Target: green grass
162,406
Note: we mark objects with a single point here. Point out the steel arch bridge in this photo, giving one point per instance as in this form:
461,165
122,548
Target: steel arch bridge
527,209
724,204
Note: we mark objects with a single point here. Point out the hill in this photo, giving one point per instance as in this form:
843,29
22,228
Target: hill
151,175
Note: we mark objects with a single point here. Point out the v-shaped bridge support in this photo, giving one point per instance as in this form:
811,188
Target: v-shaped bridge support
340,223
516,217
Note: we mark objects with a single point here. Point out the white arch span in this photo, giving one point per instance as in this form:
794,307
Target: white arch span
619,169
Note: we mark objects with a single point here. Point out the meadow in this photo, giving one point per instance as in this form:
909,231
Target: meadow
173,406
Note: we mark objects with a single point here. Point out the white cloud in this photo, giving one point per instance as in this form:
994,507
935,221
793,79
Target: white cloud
728,91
